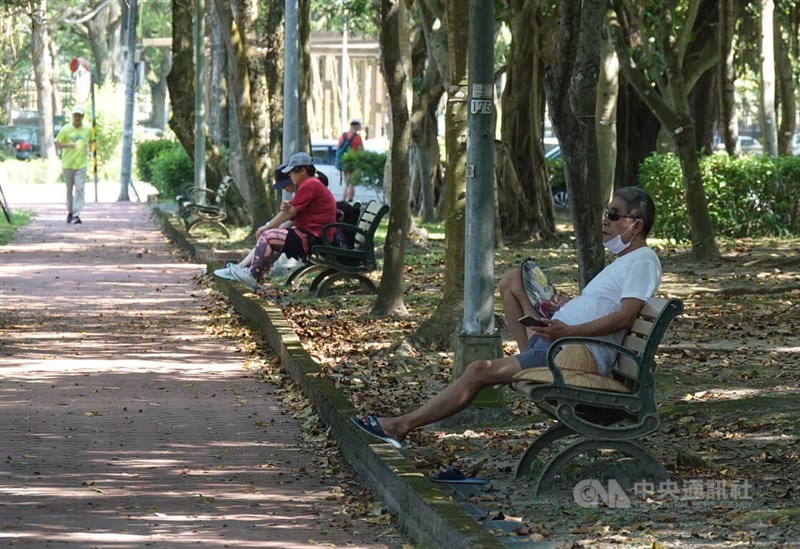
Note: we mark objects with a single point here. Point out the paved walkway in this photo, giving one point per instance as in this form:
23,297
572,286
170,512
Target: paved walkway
122,423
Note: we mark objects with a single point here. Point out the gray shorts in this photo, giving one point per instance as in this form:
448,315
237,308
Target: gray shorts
535,356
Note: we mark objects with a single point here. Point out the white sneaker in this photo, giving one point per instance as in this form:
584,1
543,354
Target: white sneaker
244,276
226,272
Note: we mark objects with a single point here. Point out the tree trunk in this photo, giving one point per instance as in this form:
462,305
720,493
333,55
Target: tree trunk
788,103
273,42
522,125
239,79
606,123
767,118
219,114
180,82
304,72
671,105
40,59
424,138
636,136
441,326
703,110
576,70
104,34
158,93
389,300
726,76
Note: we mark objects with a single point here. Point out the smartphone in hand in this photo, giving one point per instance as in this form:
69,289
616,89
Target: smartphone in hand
533,322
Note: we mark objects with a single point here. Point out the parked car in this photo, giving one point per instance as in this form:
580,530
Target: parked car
748,145
23,141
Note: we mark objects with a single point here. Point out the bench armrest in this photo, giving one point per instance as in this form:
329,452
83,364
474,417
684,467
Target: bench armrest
558,378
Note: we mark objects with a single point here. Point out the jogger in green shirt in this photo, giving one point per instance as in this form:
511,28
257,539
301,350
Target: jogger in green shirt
73,140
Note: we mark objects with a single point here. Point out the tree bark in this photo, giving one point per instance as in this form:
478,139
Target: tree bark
522,124
389,300
444,321
767,118
703,111
786,91
239,79
40,58
726,77
573,114
273,43
104,33
219,115
606,123
158,92
180,82
424,138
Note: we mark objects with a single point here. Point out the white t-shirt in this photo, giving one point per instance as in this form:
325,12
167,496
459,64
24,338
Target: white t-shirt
636,274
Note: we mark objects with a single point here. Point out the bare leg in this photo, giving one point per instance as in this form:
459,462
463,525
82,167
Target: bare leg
515,305
455,397
248,260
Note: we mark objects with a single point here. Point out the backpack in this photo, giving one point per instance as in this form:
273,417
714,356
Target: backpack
343,148
346,213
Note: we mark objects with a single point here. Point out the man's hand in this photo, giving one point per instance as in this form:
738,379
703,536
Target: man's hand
554,329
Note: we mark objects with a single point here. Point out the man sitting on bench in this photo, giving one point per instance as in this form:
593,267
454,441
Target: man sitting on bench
607,308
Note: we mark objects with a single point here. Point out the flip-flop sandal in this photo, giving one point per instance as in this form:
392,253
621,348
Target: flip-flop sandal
373,428
452,475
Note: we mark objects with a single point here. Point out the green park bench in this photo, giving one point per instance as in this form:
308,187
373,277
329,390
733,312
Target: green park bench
200,206
334,262
605,413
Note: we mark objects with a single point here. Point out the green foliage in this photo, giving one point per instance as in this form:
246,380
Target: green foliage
362,17
555,173
748,196
365,167
146,153
171,168
19,218
109,129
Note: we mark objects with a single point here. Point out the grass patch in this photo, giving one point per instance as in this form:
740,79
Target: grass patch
19,218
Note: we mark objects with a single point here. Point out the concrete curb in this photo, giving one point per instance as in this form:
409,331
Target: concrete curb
423,511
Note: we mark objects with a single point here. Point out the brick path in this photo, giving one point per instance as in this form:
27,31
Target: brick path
122,424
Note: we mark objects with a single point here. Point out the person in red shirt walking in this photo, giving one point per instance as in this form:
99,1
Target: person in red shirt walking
312,207
356,144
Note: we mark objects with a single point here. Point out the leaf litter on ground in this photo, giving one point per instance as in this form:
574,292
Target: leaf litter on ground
728,386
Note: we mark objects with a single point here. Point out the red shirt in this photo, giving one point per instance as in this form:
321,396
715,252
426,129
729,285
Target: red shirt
356,144
316,206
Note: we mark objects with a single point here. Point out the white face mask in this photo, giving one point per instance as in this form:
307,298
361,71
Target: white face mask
616,246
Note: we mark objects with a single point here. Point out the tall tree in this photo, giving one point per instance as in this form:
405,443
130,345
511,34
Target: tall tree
767,117
273,44
244,108
606,121
525,199
180,83
429,66
42,66
667,94
786,24
448,314
726,76
573,113
389,300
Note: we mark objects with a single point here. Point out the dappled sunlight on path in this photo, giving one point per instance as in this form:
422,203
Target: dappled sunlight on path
123,423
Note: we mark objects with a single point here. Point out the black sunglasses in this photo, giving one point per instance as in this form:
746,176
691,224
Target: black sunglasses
613,215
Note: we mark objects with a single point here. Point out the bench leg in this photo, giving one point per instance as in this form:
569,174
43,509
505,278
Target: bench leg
301,272
652,468
197,222
542,441
325,285
319,278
